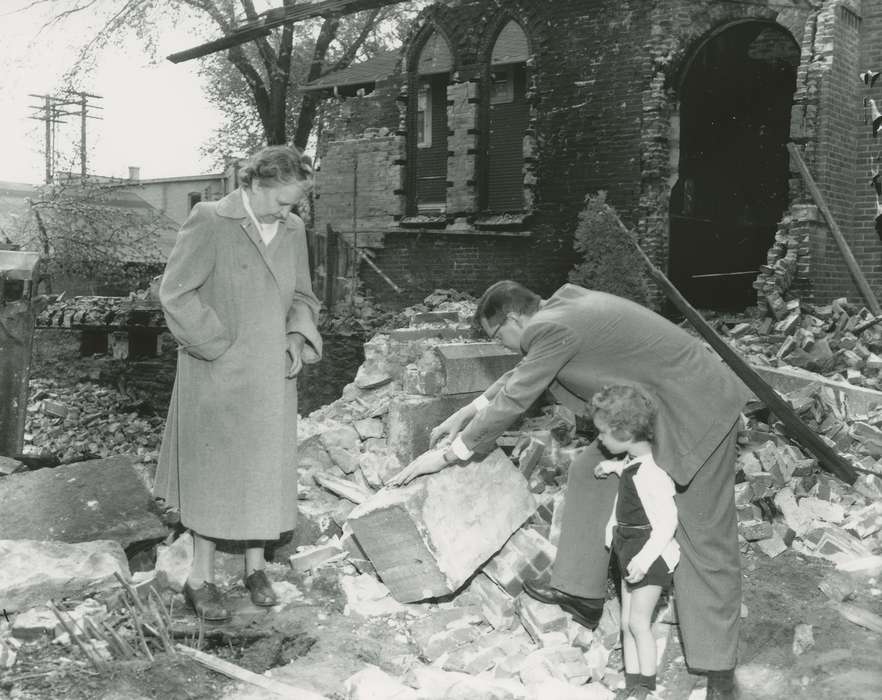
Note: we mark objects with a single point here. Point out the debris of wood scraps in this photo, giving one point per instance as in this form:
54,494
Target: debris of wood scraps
238,673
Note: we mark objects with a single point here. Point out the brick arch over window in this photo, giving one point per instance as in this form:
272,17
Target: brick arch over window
430,64
735,92
505,116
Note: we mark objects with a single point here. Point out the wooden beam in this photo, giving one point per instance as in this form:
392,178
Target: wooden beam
850,260
241,674
277,17
794,426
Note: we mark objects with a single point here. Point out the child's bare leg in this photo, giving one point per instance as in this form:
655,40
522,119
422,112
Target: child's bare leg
643,601
629,647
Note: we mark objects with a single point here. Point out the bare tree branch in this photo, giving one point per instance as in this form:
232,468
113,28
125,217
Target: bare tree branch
267,54
351,52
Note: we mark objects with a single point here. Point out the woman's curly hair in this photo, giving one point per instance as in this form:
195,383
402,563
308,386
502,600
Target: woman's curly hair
277,164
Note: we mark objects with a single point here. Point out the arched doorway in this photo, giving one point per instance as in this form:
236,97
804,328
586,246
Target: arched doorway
735,101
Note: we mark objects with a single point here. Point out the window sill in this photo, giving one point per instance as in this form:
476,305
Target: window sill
500,221
459,228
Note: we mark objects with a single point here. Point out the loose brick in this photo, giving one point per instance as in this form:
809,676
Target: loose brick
314,557
526,556
427,538
540,619
497,605
755,530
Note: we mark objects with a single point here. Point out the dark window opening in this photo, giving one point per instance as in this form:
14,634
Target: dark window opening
507,122
431,152
194,198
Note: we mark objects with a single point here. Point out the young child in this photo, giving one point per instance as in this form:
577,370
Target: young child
641,528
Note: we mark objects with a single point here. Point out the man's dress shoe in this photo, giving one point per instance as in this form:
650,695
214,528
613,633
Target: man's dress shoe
585,611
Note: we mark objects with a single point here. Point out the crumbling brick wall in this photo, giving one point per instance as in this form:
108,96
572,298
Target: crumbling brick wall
604,106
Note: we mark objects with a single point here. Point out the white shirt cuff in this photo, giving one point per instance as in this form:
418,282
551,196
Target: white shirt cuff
480,403
459,448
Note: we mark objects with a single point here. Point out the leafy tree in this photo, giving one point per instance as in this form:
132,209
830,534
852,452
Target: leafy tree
259,94
610,262
94,231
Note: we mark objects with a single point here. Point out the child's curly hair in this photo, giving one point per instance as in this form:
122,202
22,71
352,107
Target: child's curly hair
629,413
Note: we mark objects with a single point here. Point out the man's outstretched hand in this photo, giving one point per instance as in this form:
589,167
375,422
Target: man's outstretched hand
427,463
445,433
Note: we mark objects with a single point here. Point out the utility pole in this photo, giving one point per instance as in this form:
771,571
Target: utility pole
71,103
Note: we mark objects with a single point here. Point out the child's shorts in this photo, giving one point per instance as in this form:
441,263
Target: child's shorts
627,542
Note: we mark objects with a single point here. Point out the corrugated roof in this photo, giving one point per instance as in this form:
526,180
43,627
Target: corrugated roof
365,73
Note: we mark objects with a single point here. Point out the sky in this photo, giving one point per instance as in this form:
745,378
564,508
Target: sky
153,115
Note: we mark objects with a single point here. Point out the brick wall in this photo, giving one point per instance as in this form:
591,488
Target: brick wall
832,159
868,248
603,98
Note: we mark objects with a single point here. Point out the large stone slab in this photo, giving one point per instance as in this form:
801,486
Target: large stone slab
32,572
427,538
473,367
412,417
102,499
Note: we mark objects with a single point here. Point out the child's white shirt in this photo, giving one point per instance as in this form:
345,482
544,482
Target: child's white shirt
656,492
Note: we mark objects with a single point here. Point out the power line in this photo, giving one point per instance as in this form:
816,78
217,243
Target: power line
50,110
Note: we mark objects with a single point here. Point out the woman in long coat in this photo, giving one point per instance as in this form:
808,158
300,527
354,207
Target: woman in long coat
237,297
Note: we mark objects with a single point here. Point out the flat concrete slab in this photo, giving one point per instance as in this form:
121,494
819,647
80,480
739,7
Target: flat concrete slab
33,572
102,499
787,379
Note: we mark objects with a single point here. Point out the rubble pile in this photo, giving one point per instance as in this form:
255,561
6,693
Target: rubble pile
137,309
825,360
441,561
90,421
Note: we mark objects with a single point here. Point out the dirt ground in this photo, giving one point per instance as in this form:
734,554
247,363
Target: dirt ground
312,644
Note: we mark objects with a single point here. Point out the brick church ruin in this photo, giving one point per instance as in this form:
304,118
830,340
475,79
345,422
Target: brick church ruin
466,156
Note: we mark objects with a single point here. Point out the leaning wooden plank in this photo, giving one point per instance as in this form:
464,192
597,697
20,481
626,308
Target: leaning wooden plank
241,674
860,616
798,430
850,260
343,487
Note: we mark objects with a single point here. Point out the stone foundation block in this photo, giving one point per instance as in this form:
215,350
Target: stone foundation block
427,538
473,367
411,419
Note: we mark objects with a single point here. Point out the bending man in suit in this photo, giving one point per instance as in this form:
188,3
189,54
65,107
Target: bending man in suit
574,343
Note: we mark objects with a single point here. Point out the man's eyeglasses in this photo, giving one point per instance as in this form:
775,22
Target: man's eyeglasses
498,328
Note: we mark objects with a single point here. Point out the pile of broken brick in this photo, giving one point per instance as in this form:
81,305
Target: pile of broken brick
448,553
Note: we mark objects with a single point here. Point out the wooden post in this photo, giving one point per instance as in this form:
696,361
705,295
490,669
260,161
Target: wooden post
850,261
798,430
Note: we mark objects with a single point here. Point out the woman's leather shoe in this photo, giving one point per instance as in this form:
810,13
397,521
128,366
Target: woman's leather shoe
585,611
207,602
261,589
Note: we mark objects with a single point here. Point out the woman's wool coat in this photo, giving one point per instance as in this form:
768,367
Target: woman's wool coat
229,453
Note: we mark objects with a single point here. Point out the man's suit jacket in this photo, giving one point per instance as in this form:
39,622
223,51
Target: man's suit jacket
582,340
